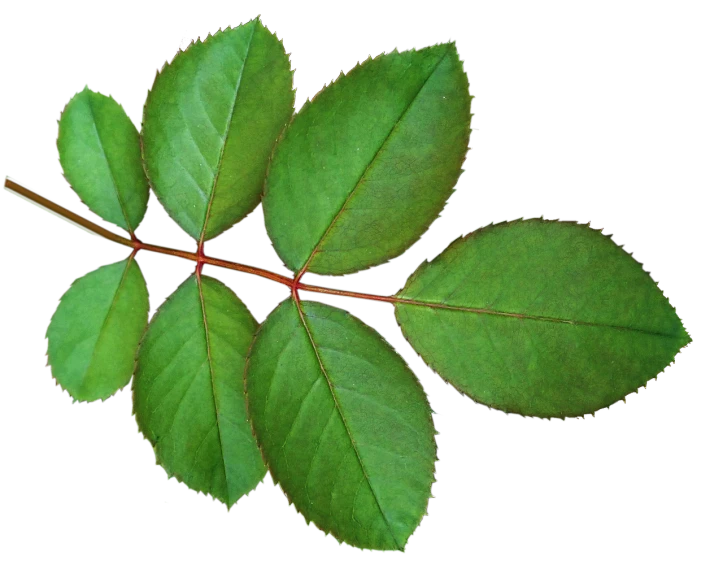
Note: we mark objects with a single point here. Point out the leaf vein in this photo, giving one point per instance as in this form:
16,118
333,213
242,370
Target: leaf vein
314,456
157,379
225,136
169,433
384,407
344,422
522,316
107,315
298,412
368,168
273,375
213,383
110,171
200,445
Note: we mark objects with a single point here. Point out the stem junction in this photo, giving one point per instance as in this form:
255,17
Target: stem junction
294,284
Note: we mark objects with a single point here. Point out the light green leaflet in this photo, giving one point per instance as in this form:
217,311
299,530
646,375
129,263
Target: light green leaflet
94,334
540,318
343,424
188,390
210,122
101,157
364,169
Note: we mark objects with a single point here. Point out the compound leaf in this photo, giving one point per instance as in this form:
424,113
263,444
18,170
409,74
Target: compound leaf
364,169
100,154
188,393
343,424
94,333
210,122
540,318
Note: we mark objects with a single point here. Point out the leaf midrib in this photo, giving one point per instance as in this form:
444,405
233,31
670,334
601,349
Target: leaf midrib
107,315
393,129
217,173
212,374
110,170
533,317
343,419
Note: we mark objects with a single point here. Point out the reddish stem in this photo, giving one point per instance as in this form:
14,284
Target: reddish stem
200,258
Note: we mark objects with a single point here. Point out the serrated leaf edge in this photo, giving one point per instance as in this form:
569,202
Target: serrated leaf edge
331,84
333,531
48,362
179,476
478,231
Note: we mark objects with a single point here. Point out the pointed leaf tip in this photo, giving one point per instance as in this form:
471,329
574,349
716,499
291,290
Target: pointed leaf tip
378,151
188,396
540,318
335,410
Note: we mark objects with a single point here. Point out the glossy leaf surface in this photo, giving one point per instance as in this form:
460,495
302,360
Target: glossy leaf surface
94,334
363,169
188,390
210,122
343,424
540,318
100,154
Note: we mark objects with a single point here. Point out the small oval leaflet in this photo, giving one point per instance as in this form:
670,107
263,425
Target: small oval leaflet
366,166
100,154
188,393
343,424
210,123
540,318
94,333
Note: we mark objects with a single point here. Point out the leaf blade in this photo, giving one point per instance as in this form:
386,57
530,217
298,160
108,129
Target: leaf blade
95,331
377,151
210,122
100,153
188,392
540,318
316,381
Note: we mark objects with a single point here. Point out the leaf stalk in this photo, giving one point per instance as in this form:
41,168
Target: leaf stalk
199,257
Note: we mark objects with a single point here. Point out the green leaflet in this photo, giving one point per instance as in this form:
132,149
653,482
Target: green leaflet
210,122
540,318
94,334
188,393
343,424
363,169
101,157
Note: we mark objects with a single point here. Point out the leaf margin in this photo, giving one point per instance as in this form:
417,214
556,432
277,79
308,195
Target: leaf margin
271,472
180,479
180,52
464,238
130,226
309,101
130,260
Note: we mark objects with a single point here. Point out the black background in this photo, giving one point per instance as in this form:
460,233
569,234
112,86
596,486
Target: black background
85,466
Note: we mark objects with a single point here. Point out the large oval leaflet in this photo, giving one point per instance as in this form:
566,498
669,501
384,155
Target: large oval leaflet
188,393
210,123
100,153
94,333
540,318
343,424
366,166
